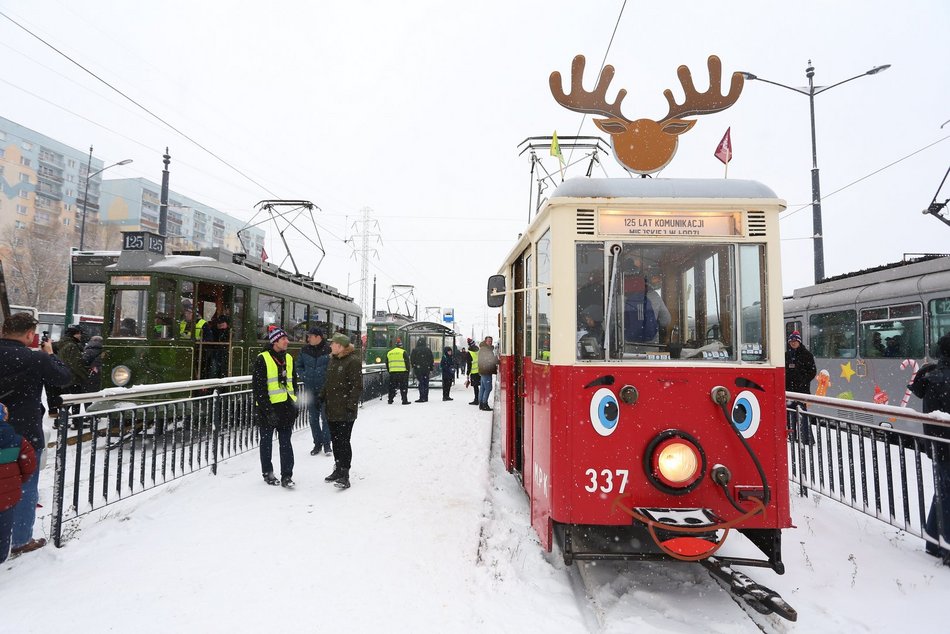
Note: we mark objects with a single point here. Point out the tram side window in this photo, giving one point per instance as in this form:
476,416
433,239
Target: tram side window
833,335
590,301
893,331
528,309
163,326
752,292
270,313
128,311
320,317
353,327
544,297
939,311
337,322
237,317
792,326
298,321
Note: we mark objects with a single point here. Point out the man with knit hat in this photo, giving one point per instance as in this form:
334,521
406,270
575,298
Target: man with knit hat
341,392
800,370
273,382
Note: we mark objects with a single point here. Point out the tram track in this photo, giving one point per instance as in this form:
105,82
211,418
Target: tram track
614,596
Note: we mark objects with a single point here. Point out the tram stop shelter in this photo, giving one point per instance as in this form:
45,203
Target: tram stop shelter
437,337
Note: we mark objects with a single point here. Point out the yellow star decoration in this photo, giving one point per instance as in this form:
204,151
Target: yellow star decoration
847,371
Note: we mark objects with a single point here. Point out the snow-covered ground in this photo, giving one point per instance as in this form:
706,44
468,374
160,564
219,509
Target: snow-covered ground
432,537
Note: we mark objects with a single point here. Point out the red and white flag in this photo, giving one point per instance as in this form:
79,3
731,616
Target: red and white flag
724,151
263,255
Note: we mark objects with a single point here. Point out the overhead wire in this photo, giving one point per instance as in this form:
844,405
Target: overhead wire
789,214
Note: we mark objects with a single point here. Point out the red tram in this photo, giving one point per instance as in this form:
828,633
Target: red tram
641,377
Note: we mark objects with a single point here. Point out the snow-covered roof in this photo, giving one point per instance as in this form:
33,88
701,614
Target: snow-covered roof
661,188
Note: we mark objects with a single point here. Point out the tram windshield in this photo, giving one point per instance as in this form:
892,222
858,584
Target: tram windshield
671,301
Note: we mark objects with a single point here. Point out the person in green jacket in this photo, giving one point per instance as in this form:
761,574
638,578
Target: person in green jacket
341,394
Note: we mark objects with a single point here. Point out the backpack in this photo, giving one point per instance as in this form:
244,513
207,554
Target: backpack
639,318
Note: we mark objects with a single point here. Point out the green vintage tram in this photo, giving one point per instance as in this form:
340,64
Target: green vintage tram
205,314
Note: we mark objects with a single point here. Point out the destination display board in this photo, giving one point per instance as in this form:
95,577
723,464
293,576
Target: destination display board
89,267
647,224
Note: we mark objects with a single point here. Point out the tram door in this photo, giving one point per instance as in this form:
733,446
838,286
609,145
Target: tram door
214,305
518,384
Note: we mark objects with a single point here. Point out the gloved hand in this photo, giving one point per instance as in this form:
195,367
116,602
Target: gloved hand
272,418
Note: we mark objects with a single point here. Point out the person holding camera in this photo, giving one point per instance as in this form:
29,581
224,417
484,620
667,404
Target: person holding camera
275,402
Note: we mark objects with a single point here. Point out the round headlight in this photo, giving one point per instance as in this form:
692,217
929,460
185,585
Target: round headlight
675,463
121,375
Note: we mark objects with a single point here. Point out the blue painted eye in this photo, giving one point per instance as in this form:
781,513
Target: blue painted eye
604,411
746,414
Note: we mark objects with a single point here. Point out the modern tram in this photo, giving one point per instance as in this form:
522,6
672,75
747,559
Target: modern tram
870,331
205,314
643,409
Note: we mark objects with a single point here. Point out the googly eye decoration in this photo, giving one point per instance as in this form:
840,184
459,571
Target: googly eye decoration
604,411
746,414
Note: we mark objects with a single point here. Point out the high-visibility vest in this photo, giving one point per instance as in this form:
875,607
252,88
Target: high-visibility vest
198,326
276,392
474,356
397,360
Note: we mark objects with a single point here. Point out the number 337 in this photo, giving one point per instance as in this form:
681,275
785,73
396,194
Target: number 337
606,480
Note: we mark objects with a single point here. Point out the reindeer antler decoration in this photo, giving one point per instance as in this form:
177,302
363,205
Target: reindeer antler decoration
645,146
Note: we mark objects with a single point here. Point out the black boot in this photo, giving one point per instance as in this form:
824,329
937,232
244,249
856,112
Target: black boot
333,477
343,482
287,482
315,451
269,478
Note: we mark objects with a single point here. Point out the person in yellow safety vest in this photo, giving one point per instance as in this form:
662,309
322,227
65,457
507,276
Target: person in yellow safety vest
184,327
273,382
397,364
474,378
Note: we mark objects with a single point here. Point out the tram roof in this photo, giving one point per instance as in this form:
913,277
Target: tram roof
661,188
219,269
426,328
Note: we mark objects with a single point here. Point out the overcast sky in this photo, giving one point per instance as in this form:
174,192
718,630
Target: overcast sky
415,110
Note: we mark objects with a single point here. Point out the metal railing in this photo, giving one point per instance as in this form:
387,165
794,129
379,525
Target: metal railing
842,450
130,440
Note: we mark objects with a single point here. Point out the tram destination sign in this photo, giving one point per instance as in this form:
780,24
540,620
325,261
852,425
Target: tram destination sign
143,241
90,268
664,224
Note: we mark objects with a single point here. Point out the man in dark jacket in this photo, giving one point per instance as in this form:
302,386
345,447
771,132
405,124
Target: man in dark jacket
422,363
313,360
17,464
273,382
69,350
447,366
23,375
932,384
341,393
800,370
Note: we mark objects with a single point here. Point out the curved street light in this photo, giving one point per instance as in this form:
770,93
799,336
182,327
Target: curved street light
811,92
72,291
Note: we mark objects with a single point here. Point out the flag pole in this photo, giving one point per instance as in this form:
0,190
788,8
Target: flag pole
728,158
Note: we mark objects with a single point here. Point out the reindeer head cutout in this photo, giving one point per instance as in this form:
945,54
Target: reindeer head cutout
645,146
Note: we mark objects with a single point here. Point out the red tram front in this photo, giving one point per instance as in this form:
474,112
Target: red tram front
641,379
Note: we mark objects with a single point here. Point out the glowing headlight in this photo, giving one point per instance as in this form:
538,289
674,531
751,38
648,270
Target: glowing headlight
121,375
674,462
677,462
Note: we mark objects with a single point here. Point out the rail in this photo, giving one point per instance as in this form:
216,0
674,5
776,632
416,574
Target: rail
874,458
124,441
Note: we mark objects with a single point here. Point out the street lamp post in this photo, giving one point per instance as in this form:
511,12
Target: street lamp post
72,291
815,184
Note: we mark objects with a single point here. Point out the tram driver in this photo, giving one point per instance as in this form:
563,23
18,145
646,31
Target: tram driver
644,312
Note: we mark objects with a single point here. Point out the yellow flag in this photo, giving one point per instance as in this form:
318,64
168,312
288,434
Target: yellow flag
556,148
